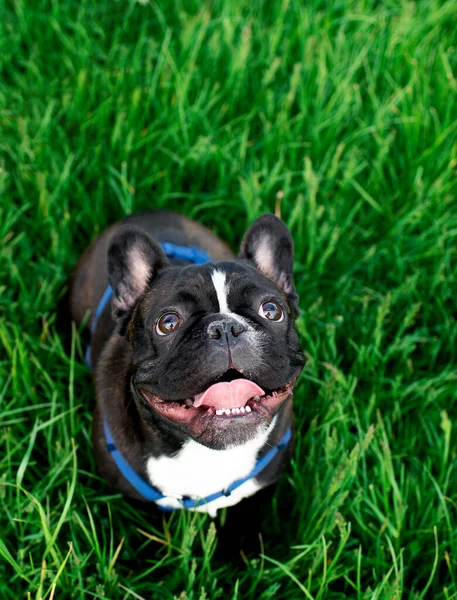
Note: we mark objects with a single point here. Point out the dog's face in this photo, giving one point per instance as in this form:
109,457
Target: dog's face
214,349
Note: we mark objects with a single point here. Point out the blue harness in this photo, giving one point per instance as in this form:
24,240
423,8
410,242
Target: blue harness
198,257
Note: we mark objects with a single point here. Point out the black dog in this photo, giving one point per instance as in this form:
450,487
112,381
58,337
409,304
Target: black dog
194,362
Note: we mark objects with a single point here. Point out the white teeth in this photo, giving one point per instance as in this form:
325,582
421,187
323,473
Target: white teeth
241,410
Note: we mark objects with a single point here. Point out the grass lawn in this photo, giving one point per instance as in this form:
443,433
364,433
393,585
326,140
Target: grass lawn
343,114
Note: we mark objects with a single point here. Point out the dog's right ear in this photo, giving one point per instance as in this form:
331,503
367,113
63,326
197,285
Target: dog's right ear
134,259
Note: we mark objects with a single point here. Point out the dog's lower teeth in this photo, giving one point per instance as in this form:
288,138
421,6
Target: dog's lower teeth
241,410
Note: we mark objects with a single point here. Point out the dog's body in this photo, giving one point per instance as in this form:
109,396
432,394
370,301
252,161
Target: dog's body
182,361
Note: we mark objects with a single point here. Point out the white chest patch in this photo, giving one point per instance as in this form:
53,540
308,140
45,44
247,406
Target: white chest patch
198,471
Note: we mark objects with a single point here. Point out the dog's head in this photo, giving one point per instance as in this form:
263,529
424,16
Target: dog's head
215,353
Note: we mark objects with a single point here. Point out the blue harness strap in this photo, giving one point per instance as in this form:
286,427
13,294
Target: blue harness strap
137,482
195,256
152,494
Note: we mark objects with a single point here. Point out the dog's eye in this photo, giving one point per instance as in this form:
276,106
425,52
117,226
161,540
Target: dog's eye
167,323
271,311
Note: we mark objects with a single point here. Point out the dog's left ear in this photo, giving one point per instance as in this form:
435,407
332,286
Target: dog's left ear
269,245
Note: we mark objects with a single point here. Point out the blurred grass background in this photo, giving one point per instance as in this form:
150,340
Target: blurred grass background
344,114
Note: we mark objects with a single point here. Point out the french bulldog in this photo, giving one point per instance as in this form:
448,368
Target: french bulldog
195,356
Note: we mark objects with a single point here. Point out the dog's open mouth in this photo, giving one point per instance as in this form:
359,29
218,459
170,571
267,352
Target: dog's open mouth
232,395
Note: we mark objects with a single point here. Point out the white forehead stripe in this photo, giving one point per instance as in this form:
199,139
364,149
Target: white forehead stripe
221,286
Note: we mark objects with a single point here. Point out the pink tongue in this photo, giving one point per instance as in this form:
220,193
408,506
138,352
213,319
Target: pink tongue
228,394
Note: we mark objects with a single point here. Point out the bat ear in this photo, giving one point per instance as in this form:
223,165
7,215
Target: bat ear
134,259
269,245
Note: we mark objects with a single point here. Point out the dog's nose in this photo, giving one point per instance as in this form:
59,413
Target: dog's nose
225,328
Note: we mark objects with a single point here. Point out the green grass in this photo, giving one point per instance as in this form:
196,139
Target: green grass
344,114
